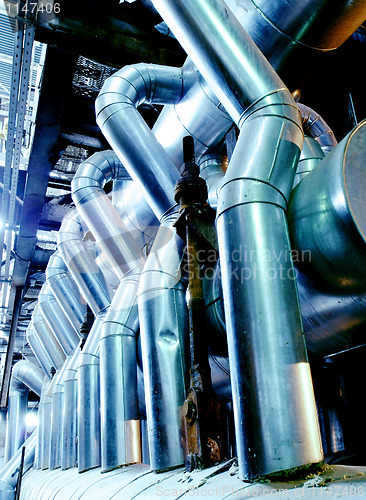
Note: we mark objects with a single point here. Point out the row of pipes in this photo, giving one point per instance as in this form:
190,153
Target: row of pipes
120,257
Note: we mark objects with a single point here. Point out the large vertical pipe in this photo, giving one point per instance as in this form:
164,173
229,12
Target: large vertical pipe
89,425
164,334
118,378
275,414
69,417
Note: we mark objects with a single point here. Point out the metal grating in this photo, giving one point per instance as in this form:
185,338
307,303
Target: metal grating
90,76
71,159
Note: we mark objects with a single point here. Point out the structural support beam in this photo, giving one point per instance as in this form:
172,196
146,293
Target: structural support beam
57,78
11,344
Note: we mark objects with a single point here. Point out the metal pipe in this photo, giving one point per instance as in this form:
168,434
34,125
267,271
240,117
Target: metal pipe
89,425
69,419
327,221
212,168
135,212
163,330
292,33
45,425
326,26
198,114
119,413
65,332
272,374
9,474
100,215
81,265
311,155
118,377
47,338
91,284
315,126
25,376
137,147
64,289
39,350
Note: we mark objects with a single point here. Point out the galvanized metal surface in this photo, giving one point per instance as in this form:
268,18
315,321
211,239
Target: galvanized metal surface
137,148
137,481
163,330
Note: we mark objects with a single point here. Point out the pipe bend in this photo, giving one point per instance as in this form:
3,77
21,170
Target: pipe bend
315,126
26,374
94,173
138,83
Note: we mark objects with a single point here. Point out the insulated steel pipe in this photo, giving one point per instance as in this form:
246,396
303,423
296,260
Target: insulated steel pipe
80,263
56,424
120,430
119,413
164,336
272,374
198,114
128,134
91,284
291,32
47,338
135,212
100,215
310,156
38,349
25,376
69,418
212,168
327,218
89,425
315,126
45,425
64,289
65,332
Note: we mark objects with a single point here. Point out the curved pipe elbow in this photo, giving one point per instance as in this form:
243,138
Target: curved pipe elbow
315,126
94,173
26,374
135,84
